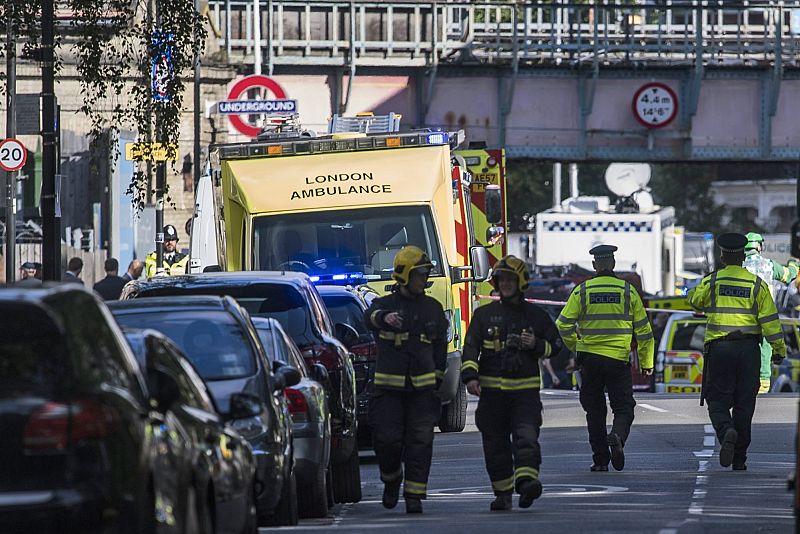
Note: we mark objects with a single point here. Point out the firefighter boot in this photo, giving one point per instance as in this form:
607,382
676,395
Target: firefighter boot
529,491
413,506
391,493
617,454
501,503
727,447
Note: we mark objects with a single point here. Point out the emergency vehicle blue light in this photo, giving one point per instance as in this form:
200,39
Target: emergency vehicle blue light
439,138
314,279
338,278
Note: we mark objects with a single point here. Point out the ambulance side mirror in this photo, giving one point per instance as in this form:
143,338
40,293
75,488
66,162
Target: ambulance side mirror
494,211
478,269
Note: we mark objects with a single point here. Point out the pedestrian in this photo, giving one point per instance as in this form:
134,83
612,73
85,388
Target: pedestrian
411,330
502,348
73,272
601,317
771,272
27,275
135,268
173,262
739,311
111,286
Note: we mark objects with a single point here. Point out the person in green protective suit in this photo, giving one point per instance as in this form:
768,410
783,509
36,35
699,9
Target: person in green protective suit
770,271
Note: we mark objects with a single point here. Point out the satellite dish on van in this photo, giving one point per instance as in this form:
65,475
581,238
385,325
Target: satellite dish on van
624,179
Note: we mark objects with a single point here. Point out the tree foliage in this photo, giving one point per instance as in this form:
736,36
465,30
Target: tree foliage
110,43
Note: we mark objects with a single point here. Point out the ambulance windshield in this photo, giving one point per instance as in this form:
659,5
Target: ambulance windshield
345,241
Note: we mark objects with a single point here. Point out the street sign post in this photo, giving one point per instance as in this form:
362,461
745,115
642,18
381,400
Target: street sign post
233,106
13,155
655,105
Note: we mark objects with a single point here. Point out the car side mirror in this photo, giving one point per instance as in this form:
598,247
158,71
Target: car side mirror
319,373
493,199
244,406
164,389
346,334
291,376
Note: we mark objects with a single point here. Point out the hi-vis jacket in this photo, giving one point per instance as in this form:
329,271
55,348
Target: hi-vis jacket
177,265
602,316
498,362
736,300
414,356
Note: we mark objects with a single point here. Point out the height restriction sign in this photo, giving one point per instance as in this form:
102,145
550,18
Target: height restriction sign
655,105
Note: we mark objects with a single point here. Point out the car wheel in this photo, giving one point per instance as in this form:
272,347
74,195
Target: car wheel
454,414
313,500
286,512
347,479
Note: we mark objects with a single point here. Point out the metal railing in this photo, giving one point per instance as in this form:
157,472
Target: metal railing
423,33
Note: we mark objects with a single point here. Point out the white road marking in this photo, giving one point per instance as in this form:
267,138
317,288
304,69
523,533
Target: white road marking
709,441
708,429
653,408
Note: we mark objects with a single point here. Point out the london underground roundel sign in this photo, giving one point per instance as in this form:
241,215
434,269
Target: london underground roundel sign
655,105
251,82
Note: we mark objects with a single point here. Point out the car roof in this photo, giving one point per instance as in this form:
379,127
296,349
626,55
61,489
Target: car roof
335,290
170,303
232,278
10,292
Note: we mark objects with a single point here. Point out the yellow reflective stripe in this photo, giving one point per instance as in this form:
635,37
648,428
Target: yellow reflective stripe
768,318
494,344
640,323
526,472
644,337
548,349
566,320
774,337
424,338
605,331
507,484
469,365
391,477
428,379
439,374
510,384
744,329
384,379
392,336
419,488
373,317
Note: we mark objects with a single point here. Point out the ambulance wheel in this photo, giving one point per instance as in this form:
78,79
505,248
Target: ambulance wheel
454,415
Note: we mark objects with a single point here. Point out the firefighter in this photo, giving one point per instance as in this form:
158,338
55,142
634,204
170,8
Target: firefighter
739,311
501,355
600,319
769,271
411,329
173,261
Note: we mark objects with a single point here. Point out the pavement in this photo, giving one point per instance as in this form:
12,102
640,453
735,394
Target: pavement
672,482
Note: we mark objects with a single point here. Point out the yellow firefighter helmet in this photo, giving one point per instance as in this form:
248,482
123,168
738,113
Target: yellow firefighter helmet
511,264
408,259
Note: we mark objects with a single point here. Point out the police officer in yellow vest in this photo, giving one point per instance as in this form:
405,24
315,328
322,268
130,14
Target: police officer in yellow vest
173,261
411,330
601,317
740,311
502,348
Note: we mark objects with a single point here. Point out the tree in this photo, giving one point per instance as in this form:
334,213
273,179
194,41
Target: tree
111,43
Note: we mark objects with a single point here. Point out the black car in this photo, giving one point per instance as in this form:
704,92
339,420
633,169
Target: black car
308,406
292,299
347,305
204,481
217,336
80,447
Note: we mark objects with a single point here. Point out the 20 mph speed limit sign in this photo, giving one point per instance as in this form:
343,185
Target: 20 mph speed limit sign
12,155
655,105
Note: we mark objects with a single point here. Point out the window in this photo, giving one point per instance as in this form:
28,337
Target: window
688,336
346,310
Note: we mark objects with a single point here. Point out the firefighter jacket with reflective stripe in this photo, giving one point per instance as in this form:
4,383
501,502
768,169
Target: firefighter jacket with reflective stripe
602,316
414,356
175,265
492,352
736,301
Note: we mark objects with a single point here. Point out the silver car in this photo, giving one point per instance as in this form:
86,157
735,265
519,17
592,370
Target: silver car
308,407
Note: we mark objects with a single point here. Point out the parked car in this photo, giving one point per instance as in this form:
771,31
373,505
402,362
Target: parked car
292,299
347,305
679,360
311,426
206,476
217,336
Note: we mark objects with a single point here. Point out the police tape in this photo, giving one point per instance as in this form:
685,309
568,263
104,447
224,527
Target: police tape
659,310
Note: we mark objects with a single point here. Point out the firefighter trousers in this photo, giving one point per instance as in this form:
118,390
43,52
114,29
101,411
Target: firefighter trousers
600,374
509,422
402,436
732,384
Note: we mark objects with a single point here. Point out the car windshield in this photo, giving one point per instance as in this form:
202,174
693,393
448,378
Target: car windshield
689,336
212,340
346,310
331,242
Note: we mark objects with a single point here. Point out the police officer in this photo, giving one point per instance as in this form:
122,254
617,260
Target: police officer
411,330
173,261
500,365
740,311
598,322
770,271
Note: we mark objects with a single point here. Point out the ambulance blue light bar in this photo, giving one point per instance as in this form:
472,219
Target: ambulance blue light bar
340,278
438,138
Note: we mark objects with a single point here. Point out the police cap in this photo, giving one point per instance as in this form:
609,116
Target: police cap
732,242
28,266
603,251
170,233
